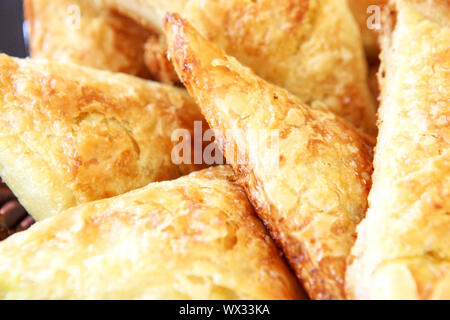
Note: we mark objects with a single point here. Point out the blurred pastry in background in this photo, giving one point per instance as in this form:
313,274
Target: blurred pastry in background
313,48
368,15
71,134
86,33
156,60
373,80
192,238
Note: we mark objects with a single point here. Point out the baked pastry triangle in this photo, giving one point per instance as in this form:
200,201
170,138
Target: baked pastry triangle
70,134
313,48
315,197
192,238
402,251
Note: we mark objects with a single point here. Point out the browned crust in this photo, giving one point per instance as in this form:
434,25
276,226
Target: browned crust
85,133
215,80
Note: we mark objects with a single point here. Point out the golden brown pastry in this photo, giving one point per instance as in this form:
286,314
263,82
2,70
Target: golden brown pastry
363,16
85,33
313,48
402,251
373,80
70,134
315,197
192,238
156,60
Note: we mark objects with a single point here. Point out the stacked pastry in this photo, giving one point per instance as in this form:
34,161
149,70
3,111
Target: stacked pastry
90,153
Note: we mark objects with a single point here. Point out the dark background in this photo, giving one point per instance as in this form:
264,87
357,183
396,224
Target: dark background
11,36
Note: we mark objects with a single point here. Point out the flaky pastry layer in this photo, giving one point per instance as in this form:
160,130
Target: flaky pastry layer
403,251
192,238
70,134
